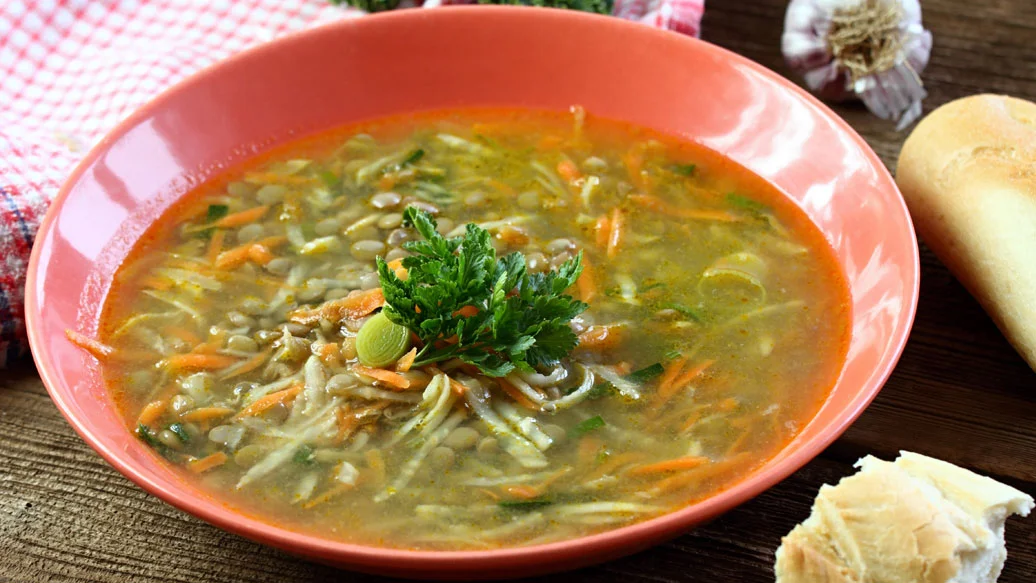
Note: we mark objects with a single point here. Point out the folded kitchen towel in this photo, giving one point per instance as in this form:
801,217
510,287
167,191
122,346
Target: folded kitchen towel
72,69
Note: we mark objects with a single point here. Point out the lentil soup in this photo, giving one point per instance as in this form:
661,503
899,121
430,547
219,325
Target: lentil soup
475,329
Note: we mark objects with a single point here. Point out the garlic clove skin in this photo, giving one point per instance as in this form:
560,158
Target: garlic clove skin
889,84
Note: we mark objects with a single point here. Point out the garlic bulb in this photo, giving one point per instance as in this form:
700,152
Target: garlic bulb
873,50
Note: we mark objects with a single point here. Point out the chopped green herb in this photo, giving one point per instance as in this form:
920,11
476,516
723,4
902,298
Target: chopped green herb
216,212
601,389
685,169
304,455
692,313
413,157
602,456
488,141
147,435
521,319
592,424
747,203
645,374
180,432
524,505
651,286
672,355
330,178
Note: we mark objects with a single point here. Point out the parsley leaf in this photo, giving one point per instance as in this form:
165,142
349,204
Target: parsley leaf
746,203
464,302
591,424
685,169
645,374
304,455
180,432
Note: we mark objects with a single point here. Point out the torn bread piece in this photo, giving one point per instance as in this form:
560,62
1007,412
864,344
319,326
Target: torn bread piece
915,520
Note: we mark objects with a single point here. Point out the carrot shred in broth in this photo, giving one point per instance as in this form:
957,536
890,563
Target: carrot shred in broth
269,401
250,293
208,462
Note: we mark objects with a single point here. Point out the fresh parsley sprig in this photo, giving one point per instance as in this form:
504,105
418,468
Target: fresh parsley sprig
464,302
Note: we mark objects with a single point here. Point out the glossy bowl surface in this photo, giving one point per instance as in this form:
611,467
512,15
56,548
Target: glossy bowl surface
415,60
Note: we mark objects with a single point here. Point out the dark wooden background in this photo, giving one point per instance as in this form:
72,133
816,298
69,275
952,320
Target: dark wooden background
959,393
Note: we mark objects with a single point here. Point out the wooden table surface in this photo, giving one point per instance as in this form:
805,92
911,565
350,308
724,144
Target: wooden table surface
959,393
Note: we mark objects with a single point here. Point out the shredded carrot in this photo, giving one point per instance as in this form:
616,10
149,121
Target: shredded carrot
331,493
215,245
273,242
602,229
346,422
600,337
689,375
387,181
156,283
517,395
393,380
457,387
269,401
183,334
206,413
467,311
258,251
250,364
615,234
692,419
671,371
568,170
738,443
613,463
260,255
656,204
233,258
700,474
242,218
503,187
151,412
512,236
95,348
675,482
522,491
207,463
355,305
728,404
673,465
396,265
195,361
585,284
407,360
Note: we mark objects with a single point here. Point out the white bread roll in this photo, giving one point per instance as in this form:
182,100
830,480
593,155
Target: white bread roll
968,174
917,520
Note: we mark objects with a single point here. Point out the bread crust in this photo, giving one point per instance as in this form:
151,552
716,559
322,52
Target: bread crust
968,175
916,520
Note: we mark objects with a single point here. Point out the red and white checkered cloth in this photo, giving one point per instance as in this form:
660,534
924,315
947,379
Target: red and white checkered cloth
72,69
